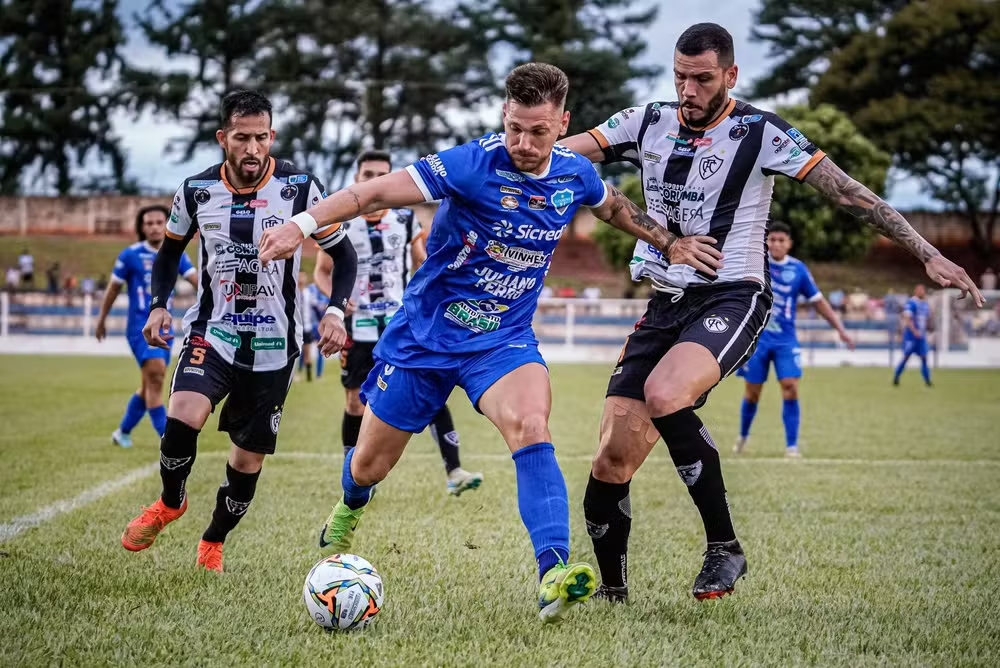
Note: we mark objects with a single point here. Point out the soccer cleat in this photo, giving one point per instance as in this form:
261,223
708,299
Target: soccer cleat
792,452
562,587
210,556
143,530
338,532
741,445
460,480
611,594
724,565
121,439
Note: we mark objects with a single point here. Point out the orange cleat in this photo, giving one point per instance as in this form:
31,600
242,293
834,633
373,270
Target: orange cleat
143,530
210,555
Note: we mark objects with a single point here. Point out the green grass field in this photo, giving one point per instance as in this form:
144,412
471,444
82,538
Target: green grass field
880,548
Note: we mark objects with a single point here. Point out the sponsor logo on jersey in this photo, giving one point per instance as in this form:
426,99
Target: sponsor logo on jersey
258,203
289,192
237,249
194,370
247,266
508,202
247,291
751,119
510,176
224,336
437,167
536,202
211,227
709,165
267,343
561,199
504,286
739,131
510,190
298,178
652,157
780,144
476,315
561,179
242,213
715,324
201,196
202,184
271,221
797,137
463,255
612,122
503,229
515,257
250,319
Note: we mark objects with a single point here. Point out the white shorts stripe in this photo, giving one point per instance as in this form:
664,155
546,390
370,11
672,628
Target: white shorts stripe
753,341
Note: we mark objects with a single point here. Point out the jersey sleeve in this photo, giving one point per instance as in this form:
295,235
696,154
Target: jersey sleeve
596,192
180,220
454,172
122,269
785,150
330,235
807,285
186,267
619,136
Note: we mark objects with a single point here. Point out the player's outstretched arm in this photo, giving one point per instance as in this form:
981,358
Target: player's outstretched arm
110,295
696,251
323,272
827,313
166,267
392,191
586,145
859,201
332,332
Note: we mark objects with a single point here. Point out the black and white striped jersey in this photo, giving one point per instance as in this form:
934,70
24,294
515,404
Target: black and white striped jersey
244,310
716,181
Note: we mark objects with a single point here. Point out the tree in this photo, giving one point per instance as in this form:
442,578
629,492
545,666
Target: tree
391,74
821,230
927,89
616,246
596,42
221,39
57,64
804,34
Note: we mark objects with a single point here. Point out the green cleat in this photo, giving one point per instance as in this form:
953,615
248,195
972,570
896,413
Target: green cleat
563,586
338,532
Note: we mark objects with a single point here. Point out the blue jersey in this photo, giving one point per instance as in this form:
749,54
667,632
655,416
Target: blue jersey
134,268
491,242
919,312
790,279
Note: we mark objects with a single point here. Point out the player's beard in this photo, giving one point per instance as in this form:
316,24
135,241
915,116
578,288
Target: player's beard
712,109
247,177
529,165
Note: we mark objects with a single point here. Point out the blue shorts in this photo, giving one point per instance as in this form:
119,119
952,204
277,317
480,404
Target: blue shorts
142,351
409,398
913,346
787,358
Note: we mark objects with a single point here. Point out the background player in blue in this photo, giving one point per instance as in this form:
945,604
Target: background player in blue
916,317
466,316
778,343
133,268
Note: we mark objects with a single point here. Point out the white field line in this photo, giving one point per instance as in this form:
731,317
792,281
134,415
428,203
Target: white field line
20,524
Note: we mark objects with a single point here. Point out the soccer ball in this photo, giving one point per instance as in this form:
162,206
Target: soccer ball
344,592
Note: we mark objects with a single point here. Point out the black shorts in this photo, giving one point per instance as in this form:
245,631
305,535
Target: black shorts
725,319
356,362
252,412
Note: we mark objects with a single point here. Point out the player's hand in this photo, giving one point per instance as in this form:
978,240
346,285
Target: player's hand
351,308
696,251
947,274
332,334
157,326
846,339
279,243
101,331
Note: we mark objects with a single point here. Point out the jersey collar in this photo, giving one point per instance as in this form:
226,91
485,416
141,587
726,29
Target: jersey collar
545,172
723,115
778,262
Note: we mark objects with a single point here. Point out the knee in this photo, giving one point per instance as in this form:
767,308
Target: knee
245,461
611,463
352,403
666,398
752,393
789,389
528,429
367,468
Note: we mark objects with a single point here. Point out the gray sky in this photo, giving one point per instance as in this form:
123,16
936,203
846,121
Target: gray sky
145,139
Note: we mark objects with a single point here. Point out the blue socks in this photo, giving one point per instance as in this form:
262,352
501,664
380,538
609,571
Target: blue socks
319,365
899,369
790,416
134,411
158,416
355,495
747,412
544,503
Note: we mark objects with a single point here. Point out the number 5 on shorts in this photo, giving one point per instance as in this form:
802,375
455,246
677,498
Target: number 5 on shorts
197,356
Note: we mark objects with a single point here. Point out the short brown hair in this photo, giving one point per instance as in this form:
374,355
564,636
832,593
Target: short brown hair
534,84
373,155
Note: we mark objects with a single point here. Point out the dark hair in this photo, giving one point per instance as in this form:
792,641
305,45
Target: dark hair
372,155
780,227
702,37
534,84
142,214
243,103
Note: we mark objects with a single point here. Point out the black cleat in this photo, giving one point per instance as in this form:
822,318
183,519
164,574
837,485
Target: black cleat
724,565
610,594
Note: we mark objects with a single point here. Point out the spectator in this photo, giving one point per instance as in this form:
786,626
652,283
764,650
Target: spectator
988,281
27,265
857,305
87,285
102,283
12,278
52,275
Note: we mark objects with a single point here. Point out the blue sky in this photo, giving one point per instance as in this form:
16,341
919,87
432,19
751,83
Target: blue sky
146,138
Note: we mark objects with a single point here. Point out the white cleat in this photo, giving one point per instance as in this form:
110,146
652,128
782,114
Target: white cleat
741,444
121,439
460,480
792,452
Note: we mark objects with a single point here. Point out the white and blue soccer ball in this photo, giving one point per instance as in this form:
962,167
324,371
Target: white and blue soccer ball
343,592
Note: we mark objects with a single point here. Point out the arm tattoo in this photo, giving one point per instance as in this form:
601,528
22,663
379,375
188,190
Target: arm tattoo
357,202
627,217
862,203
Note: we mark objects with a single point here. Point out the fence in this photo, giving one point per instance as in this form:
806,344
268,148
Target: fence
567,329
